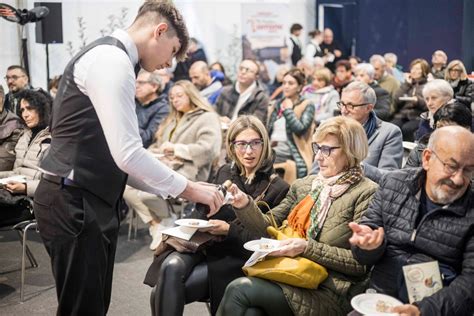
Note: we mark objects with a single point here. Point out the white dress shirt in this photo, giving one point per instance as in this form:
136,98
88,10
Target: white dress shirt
106,75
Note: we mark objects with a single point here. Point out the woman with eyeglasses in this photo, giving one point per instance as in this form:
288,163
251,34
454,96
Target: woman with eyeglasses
456,76
290,126
16,194
319,207
188,141
192,277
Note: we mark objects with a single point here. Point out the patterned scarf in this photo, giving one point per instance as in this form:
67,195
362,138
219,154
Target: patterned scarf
371,125
308,216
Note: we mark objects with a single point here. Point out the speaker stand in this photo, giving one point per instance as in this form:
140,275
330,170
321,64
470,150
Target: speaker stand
47,66
24,49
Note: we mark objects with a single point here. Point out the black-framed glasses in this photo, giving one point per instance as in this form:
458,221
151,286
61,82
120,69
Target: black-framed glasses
325,150
14,77
452,169
242,145
349,106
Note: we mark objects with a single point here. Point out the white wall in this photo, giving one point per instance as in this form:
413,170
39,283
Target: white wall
216,23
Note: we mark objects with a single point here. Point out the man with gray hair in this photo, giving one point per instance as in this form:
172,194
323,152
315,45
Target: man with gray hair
209,86
151,105
392,68
365,73
424,215
385,80
385,139
438,64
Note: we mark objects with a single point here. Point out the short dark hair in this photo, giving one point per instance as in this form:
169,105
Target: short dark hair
297,74
295,27
13,67
344,63
167,11
39,100
455,112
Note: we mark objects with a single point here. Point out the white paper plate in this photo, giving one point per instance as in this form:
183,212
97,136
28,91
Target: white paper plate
194,223
263,245
366,304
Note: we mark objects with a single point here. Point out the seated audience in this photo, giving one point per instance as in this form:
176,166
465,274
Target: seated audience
436,93
151,105
343,75
53,85
216,68
354,61
276,89
35,107
251,170
408,99
422,215
454,113
439,59
17,80
245,97
365,73
166,80
290,127
10,131
463,88
210,86
392,68
322,94
319,207
385,139
384,79
188,141
195,52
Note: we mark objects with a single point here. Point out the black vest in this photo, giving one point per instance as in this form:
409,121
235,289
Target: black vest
296,54
78,142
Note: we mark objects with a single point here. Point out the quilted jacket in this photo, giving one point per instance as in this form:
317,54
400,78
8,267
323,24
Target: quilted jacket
446,234
332,249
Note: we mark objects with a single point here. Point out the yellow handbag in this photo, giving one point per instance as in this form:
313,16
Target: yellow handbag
297,271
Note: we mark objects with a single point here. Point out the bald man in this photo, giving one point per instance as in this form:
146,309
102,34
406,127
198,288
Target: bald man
422,215
210,86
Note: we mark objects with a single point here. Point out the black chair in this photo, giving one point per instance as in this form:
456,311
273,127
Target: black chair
22,224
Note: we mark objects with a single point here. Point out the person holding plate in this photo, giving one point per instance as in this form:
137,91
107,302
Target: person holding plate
424,216
188,141
35,107
318,207
203,275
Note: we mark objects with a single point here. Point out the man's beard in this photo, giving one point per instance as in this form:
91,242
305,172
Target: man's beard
442,196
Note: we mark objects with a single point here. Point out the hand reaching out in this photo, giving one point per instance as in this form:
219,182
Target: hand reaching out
240,199
365,237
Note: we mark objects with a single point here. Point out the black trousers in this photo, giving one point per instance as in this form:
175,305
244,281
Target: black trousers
80,232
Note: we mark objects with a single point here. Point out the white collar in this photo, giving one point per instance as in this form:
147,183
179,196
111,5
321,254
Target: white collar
130,46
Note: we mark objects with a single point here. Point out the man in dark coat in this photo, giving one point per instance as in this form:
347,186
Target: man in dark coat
17,81
423,215
246,96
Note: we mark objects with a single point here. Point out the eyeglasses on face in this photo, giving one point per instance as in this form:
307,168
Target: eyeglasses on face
455,70
242,145
14,77
243,69
325,150
349,106
141,82
451,169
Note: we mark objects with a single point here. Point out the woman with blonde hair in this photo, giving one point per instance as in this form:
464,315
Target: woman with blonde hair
456,76
188,141
205,274
319,208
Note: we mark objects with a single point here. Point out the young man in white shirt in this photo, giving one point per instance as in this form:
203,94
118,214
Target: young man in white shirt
96,149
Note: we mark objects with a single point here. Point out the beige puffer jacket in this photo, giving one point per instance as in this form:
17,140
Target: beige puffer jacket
28,157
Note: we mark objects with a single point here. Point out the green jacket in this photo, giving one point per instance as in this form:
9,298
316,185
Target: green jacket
347,277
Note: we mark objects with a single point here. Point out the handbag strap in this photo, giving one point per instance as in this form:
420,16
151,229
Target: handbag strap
262,195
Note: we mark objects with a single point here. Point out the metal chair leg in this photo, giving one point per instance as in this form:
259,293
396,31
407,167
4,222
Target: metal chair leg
23,264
